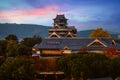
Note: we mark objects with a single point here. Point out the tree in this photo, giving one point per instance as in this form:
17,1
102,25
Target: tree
3,47
72,65
115,67
2,60
85,66
110,52
98,65
14,49
17,69
11,48
99,32
30,42
23,50
12,37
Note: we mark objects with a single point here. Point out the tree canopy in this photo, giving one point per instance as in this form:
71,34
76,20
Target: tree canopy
91,65
3,46
17,69
99,32
23,50
11,48
11,37
115,70
30,42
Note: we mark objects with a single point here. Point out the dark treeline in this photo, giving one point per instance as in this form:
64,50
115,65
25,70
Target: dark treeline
10,47
16,68
90,65
13,64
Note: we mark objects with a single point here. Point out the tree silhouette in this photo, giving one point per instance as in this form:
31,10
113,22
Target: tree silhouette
12,37
99,32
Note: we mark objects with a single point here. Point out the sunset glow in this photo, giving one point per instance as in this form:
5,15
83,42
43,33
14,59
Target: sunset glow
84,14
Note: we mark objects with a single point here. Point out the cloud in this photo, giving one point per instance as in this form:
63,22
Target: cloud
21,15
35,11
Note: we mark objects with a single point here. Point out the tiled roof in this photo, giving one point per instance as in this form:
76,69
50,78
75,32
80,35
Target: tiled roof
60,17
118,46
72,43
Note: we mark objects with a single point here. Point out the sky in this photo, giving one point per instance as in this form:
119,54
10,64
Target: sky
83,14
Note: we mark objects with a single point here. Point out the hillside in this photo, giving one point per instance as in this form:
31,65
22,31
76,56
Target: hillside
23,30
29,30
85,33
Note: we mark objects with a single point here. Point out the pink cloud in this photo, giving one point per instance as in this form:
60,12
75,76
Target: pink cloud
31,12
21,16
40,11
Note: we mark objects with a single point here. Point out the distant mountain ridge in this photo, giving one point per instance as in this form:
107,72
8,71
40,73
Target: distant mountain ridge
29,30
86,33
23,30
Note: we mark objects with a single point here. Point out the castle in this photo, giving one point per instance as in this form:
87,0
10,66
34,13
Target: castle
62,39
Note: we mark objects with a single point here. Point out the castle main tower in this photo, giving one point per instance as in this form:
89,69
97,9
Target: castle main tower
60,28
60,21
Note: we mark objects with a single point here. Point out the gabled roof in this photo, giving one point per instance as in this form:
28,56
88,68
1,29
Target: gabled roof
54,34
73,43
69,34
66,47
99,41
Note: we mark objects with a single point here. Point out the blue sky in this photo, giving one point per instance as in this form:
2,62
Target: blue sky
83,14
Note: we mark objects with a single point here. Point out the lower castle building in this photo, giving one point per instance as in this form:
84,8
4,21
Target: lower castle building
60,46
62,39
